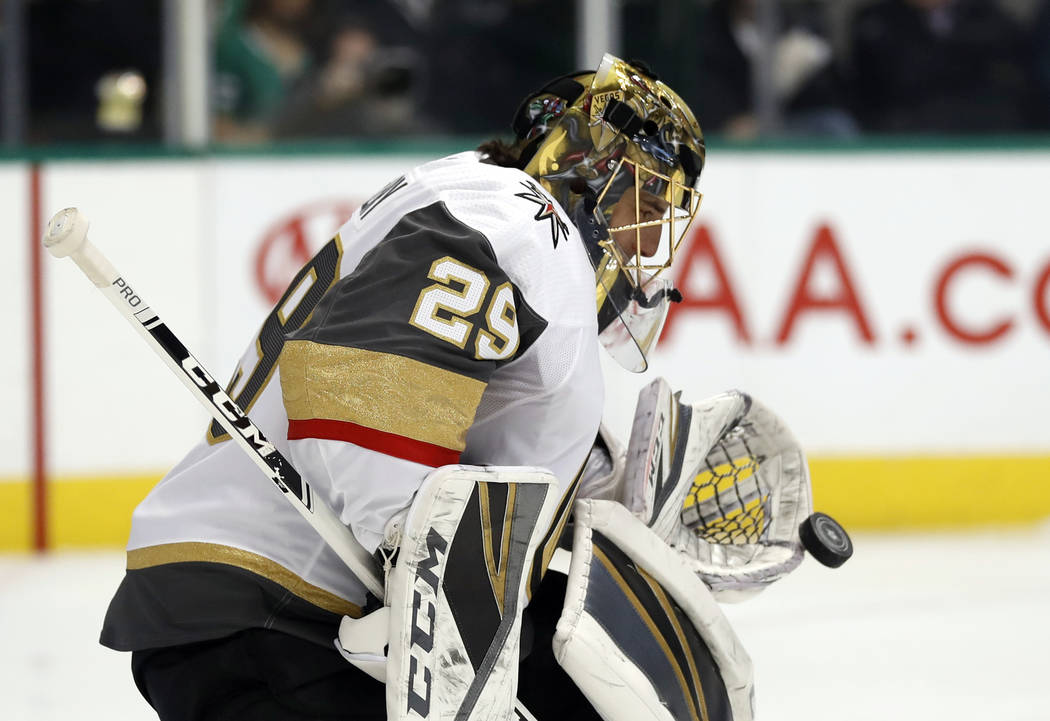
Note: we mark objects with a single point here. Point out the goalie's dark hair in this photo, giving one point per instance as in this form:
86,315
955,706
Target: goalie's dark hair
498,152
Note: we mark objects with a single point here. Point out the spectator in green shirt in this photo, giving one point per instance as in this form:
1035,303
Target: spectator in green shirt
261,54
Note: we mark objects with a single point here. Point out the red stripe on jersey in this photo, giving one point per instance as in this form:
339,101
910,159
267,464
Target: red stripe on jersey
390,444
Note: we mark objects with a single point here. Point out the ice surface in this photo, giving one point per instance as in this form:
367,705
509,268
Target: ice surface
930,627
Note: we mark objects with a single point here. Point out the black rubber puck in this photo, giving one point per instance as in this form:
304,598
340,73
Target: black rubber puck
826,540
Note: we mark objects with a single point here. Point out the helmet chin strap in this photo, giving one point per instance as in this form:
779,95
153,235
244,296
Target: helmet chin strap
672,294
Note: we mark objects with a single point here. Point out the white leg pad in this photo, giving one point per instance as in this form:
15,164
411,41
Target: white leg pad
640,634
458,590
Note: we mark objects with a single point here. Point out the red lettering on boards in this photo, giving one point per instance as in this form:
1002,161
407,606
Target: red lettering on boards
701,250
957,330
845,299
286,247
1040,300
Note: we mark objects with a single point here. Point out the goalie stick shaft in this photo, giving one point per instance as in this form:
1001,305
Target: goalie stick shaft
66,235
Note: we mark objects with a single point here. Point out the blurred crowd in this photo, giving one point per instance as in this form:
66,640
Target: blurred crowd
294,68
287,69
888,66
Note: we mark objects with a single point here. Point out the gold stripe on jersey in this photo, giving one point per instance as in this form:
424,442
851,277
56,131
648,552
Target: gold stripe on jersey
382,391
189,551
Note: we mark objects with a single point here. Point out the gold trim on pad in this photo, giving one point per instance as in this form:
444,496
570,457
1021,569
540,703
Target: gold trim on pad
189,551
668,606
636,602
496,549
549,544
382,391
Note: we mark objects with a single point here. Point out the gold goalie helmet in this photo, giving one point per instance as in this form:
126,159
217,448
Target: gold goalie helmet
622,154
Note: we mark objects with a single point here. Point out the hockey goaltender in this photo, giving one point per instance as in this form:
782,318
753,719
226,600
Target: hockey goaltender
433,373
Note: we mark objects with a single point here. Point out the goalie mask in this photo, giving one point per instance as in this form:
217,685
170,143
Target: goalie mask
622,153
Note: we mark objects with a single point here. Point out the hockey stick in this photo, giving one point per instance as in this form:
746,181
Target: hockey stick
67,236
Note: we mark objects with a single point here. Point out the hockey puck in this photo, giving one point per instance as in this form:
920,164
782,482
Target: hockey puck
826,540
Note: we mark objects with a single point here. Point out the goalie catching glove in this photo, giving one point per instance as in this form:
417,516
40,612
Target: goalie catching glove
723,482
711,499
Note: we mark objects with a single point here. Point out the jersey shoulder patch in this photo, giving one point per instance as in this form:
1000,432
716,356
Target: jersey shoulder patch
546,210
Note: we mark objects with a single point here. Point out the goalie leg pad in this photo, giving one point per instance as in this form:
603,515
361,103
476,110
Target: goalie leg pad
458,590
640,634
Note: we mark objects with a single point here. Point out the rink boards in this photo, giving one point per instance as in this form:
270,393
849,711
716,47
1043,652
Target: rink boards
892,307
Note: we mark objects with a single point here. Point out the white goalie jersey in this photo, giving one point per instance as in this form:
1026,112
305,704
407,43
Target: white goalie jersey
451,320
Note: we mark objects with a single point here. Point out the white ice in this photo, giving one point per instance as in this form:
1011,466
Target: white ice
914,627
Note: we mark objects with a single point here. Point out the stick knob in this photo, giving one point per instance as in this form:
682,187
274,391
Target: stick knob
66,232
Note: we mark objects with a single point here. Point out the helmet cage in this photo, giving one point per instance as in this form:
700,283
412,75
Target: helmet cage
682,204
